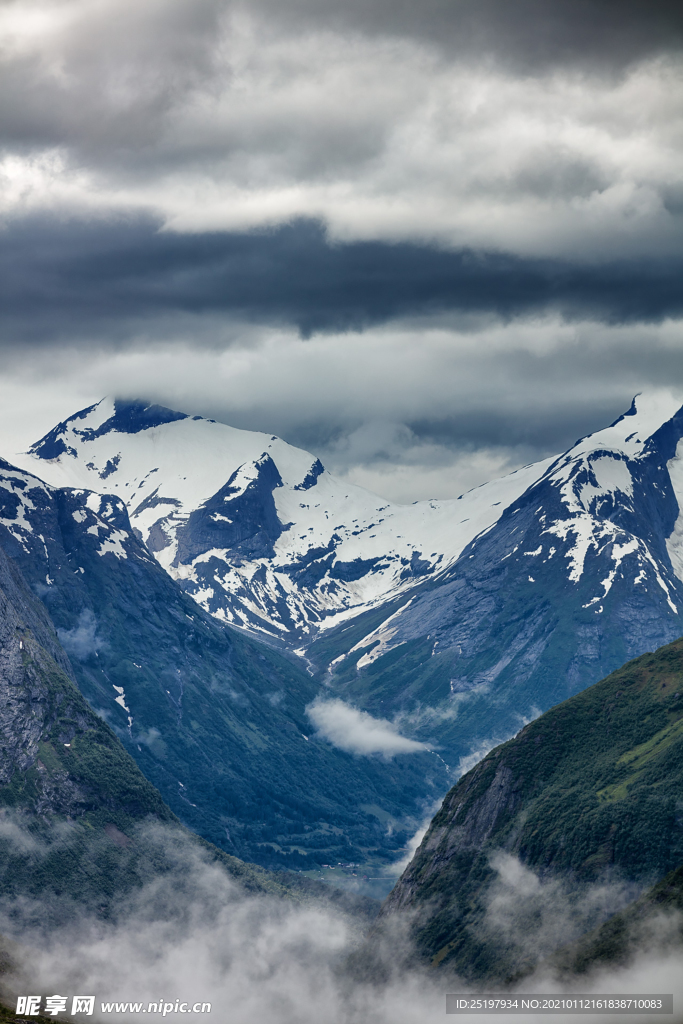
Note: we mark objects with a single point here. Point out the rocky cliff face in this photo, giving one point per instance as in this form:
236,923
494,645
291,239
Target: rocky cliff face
46,725
68,790
588,793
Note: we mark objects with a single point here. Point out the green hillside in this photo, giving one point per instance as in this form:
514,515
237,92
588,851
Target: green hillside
590,791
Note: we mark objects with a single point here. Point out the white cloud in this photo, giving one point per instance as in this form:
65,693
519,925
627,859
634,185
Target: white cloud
357,732
191,934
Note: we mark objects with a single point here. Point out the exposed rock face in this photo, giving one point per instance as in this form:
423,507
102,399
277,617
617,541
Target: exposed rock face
240,519
64,777
587,793
36,694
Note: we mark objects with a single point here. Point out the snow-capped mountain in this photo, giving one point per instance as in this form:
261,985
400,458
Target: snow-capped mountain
254,529
608,512
579,573
453,622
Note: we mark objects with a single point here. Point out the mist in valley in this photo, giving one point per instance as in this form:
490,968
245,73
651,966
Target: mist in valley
192,934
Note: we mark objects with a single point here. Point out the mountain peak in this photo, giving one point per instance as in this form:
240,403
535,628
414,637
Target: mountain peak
263,537
120,415
253,527
648,412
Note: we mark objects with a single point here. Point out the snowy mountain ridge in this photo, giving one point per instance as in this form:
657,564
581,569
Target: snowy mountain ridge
453,621
256,530
607,510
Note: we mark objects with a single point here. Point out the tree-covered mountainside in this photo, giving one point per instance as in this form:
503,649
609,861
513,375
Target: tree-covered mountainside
215,721
79,822
591,792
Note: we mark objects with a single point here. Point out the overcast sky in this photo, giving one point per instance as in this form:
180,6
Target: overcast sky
427,242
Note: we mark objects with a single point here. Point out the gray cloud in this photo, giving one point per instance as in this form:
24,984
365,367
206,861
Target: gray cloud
100,76
407,411
531,33
427,244
539,915
118,283
215,115
82,641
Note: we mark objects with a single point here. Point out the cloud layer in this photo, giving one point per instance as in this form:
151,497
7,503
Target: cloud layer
217,116
193,935
407,413
112,284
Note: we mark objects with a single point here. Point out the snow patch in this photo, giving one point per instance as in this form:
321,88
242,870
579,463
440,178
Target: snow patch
611,475
674,542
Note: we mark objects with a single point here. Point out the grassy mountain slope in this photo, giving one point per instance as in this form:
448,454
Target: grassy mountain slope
593,789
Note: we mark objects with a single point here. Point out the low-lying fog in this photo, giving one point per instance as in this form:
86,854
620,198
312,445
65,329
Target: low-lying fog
193,935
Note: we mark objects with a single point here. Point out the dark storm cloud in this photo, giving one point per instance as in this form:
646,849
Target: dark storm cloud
526,33
107,282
